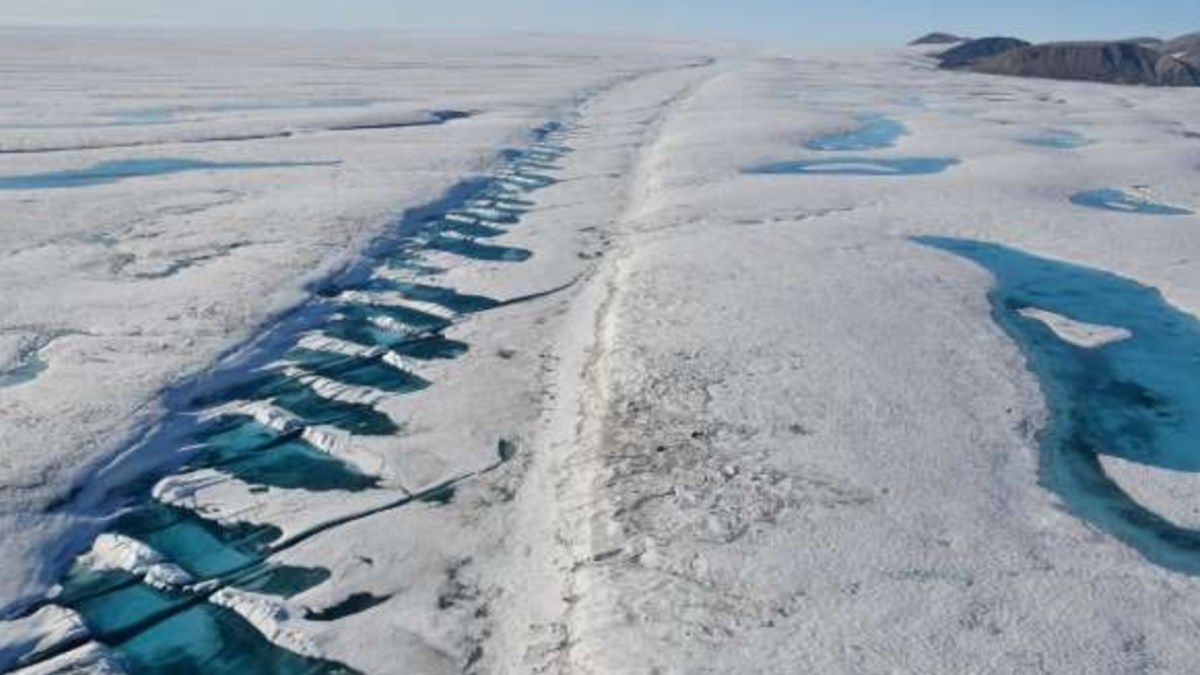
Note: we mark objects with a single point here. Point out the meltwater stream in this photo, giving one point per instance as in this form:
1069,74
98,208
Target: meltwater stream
1120,369
155,585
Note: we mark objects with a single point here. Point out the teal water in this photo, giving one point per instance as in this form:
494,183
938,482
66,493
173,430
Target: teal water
875,133
204,548
116,603
525,182
1123,202
859,166
258,455
1137,399
25,372
1058,139
207,639
137,619
413,318
469,248
315,410
159,632
445,297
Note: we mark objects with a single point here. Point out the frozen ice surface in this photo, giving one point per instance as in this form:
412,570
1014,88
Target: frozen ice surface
673,415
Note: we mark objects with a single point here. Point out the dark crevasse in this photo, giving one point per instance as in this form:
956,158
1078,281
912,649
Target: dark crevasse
259,455
1137,398
355,603
358,333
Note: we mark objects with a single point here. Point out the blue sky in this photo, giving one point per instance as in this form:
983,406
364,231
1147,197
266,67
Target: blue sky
781,21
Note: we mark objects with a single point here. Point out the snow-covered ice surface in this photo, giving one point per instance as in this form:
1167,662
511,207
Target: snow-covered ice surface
618,402
805,445
137,256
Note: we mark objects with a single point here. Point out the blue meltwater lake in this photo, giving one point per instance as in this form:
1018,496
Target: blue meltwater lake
1124,202
875,133
1135,396
105,173
858,166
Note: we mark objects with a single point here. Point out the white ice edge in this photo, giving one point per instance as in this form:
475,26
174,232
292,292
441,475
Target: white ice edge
117,552
46,628
270,616
1174,495
92,659
1078,333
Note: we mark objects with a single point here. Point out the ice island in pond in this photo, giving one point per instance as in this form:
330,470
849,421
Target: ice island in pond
342,354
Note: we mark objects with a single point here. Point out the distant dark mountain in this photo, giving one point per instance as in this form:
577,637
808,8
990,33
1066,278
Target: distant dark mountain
969,53
1185,43
1178,70
1117,62
937,39
1113,62
1146,61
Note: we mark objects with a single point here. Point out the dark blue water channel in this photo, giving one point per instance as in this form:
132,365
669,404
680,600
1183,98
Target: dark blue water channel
1124,202
177,630
1136,398
106,173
